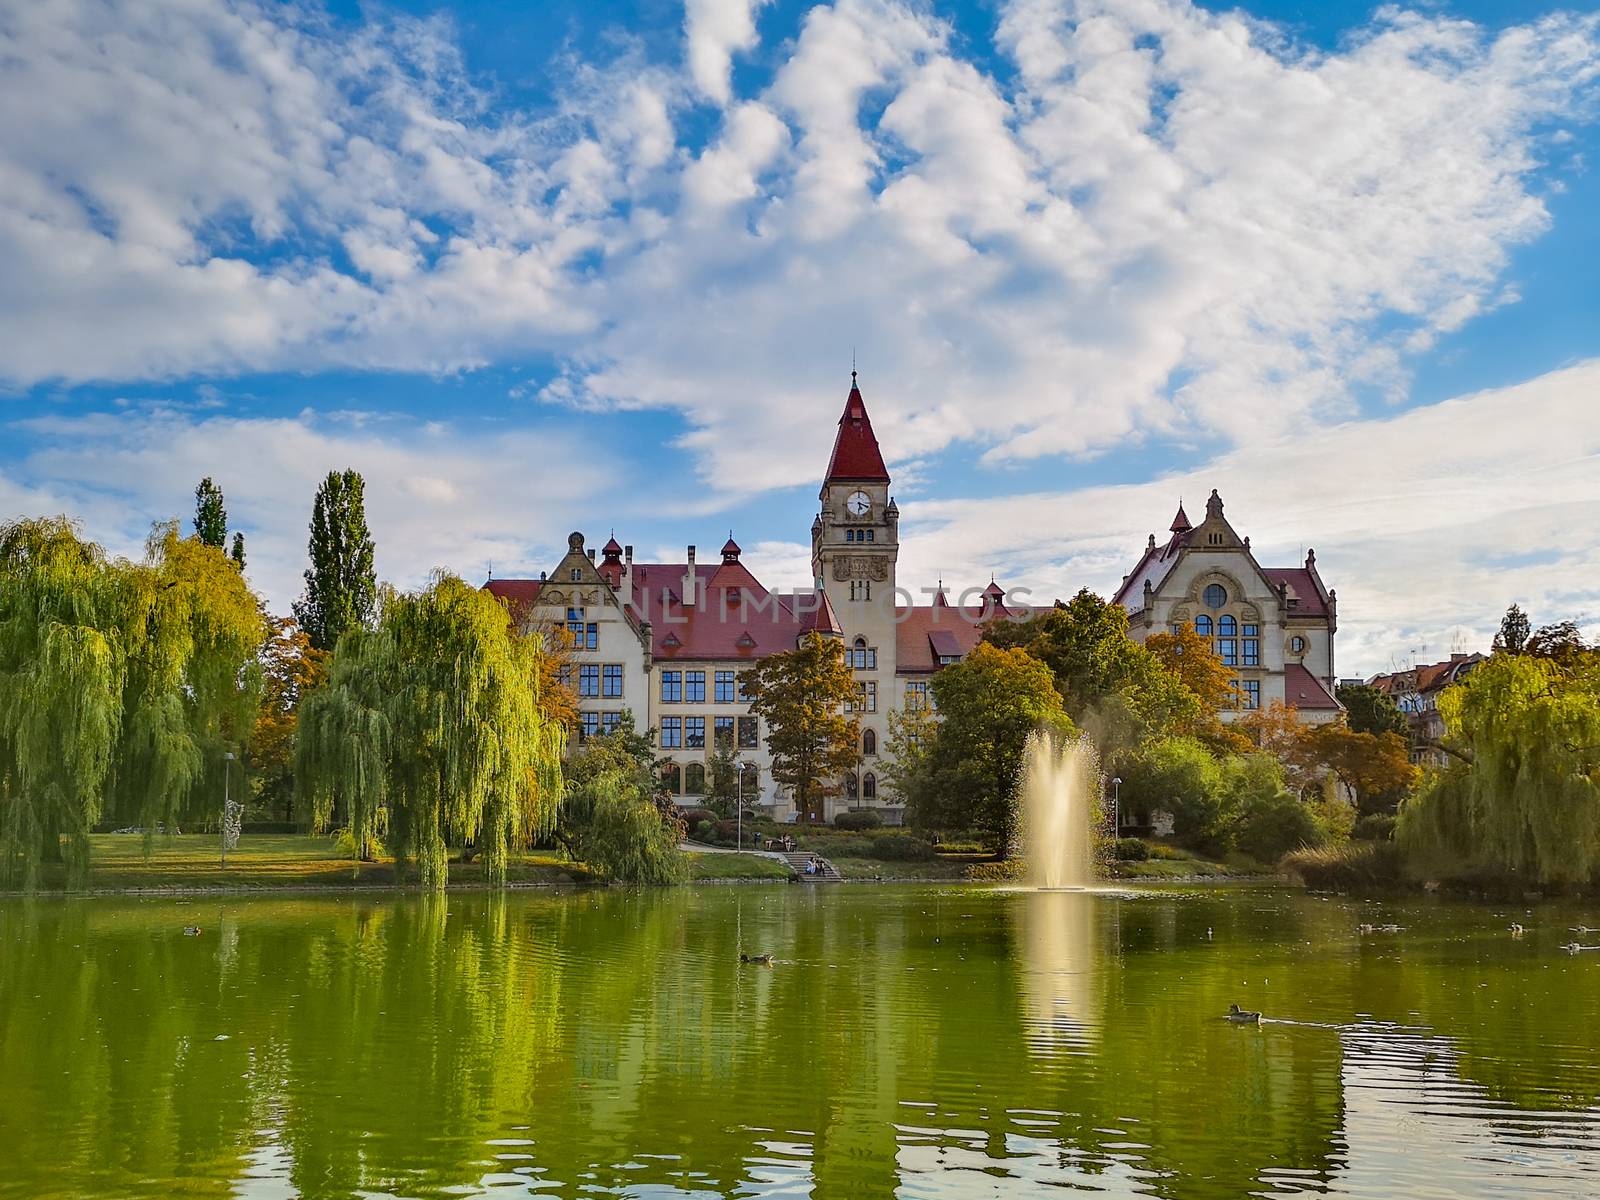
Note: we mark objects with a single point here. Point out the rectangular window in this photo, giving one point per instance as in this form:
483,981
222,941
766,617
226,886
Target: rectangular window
1252,652
609,721
671,686
591,639
872,535
1177,628
588,725
1228,648
867,696
748,733
575,624
723,684
694,732
613,680
695,687
849,535
564,674
916,695
744,692
862,658
589,680
1252,693
722,733
671,733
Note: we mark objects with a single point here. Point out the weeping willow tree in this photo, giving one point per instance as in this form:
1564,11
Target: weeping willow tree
120,685
1524,799
433,722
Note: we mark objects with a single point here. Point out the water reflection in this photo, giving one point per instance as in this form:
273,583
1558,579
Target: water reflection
934,1044
1058,957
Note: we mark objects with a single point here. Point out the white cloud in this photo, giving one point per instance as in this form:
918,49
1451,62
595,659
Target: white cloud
1166,222
1427,524
715,30
435,496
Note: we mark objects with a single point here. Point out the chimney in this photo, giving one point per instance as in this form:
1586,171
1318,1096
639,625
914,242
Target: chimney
591,554
690,597
627,575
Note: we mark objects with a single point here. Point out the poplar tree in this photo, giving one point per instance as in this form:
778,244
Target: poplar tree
341,590
431,729
210,516
237,553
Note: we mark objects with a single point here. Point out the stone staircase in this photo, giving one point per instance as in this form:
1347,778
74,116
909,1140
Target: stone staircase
797,863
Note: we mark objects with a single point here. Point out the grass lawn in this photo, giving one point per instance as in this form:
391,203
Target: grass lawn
735,866
938,869
273,860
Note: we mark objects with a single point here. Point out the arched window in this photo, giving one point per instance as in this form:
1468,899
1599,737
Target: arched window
1216,595
672,779
694,779
1227,627
869,742
869,786
1202,625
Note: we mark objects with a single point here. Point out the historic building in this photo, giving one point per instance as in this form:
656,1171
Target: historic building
668,642
1416,693
1273,625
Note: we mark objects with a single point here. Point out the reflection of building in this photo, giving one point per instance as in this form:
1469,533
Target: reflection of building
1416,693
668,641
1273,625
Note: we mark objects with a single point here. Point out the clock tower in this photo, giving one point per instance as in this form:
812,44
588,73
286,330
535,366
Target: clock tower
855,540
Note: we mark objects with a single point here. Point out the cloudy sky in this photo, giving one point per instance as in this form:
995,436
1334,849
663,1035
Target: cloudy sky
603,266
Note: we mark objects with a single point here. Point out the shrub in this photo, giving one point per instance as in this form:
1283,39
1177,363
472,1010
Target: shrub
901,847
1273,826
1358,866
693,817
728,830
1006,871
855,822
1374,827
345,846
846,845
1166,851
1131,850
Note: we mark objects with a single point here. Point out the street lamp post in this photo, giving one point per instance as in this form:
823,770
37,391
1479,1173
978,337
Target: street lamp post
1116,809
227,803
738,817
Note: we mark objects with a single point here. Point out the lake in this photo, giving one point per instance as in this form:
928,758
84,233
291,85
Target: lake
911,1041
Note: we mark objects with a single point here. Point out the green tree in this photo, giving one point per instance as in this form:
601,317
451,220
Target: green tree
341,590
804,696
433,721
1110,685
237,553
291,669
1514,630
722,782
1524,800
210,516
906,769
1181,776
1271,821
122,685
1370,710
611,820
988,705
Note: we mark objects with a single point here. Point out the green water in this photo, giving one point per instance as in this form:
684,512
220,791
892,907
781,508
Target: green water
913,1041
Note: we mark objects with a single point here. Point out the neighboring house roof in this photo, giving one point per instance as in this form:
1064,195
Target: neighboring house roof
855,448
929,632
518,594
1428,677
1302,689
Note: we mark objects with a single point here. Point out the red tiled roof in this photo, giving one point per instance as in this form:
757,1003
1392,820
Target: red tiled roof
855,448
1307,598
958,631
736,616
517,594
1302,689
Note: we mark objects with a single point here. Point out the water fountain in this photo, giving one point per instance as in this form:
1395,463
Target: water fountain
1060,790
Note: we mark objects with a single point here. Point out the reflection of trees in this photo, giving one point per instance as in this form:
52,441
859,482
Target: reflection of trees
388,1044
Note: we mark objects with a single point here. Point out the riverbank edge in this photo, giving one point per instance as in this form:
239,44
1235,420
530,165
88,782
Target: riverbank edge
181,892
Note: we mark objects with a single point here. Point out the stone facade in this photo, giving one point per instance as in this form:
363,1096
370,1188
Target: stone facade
1273,625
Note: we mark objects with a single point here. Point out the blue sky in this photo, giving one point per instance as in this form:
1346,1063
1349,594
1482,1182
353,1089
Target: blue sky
604,266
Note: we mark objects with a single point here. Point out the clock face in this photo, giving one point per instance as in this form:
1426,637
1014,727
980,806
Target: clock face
859,504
